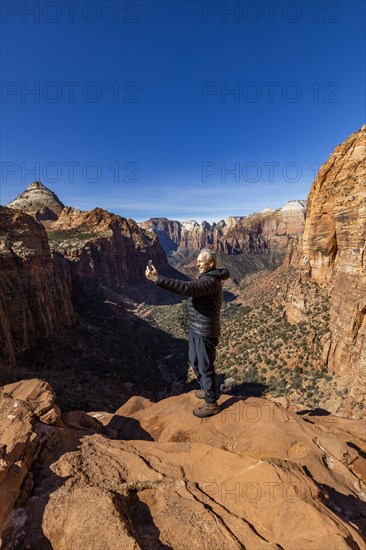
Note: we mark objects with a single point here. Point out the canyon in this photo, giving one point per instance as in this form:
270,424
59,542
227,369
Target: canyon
50,264
98,444
319,242
264,232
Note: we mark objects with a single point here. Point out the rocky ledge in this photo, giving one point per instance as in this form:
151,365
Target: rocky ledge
260,475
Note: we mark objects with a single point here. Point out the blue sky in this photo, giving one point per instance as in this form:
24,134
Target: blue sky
184,109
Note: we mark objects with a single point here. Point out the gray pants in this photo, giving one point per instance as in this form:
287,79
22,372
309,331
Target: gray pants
202,355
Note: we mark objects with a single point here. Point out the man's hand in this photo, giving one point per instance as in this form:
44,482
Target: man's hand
151,274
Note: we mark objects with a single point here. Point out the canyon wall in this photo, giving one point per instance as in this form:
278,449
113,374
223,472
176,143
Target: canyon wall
265,232
333,255
102,247
35,286
47,267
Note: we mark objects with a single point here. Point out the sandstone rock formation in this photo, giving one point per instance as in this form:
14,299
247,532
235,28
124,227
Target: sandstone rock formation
38,201
46,267
265,232
333,255
101,247
26,408
35,286
257,476
105,248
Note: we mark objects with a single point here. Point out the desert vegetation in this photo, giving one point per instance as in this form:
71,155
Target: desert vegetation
258,345
60,238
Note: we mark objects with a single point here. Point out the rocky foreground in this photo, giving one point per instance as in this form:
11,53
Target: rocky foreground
260,475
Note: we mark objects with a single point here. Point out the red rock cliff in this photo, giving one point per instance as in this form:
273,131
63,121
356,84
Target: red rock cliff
262,232
35,287
103,247
333,255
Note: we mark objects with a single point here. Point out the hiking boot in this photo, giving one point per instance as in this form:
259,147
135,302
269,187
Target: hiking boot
207,410
200,394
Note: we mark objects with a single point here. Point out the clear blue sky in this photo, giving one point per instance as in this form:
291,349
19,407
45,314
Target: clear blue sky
139,101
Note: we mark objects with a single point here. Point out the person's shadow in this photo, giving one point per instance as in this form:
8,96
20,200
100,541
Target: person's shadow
246,389
347,507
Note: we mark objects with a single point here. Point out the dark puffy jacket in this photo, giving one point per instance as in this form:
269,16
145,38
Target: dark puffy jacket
205,302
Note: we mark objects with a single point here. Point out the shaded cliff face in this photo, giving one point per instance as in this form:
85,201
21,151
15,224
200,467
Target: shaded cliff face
169,232
48,267
35,287
333,256
264,232
258,475
104,248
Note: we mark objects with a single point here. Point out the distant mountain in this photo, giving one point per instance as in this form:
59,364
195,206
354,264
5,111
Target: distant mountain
295,205
104,248
263,232
100,247
38,201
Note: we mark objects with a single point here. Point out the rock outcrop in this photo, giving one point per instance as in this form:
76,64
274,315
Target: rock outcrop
44,272
38,201
267,231
27,408
256,476
35,285
104,248
334,257
100,247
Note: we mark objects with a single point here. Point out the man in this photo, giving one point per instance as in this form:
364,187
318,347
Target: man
204,307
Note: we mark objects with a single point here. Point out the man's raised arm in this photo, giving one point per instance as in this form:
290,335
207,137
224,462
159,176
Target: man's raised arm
195,289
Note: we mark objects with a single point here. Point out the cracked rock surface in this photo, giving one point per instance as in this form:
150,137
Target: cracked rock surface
152,475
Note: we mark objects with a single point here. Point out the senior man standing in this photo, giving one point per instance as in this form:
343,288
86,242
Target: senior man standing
204,306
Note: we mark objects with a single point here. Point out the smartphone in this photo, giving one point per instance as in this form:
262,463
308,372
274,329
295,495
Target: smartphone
149,264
